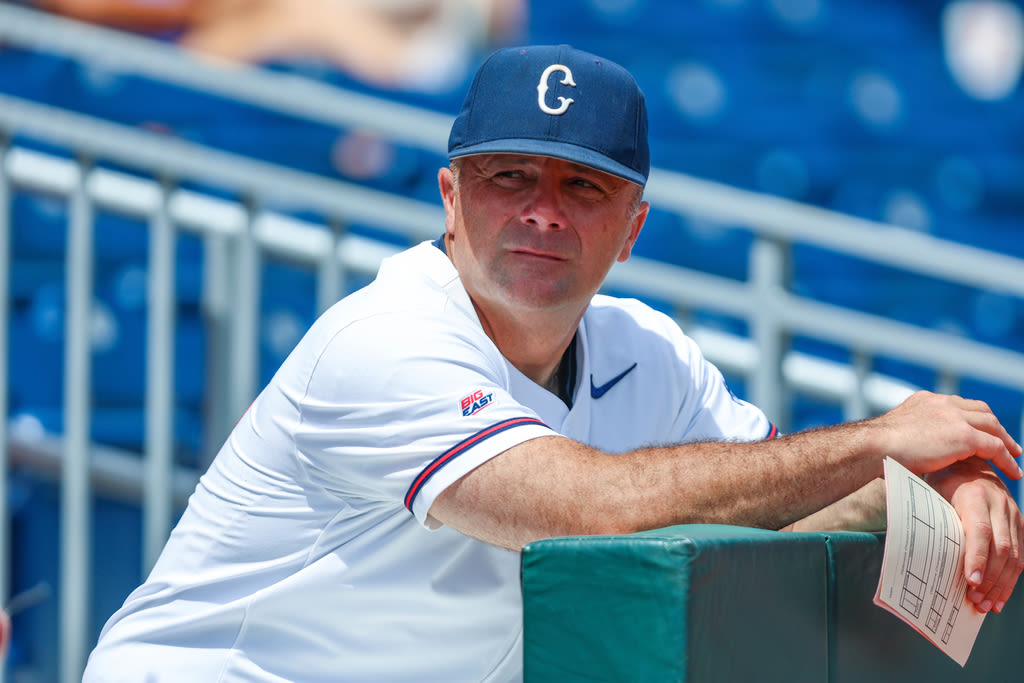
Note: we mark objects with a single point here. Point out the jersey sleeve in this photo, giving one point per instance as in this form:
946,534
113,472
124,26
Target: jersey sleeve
717,414
400,407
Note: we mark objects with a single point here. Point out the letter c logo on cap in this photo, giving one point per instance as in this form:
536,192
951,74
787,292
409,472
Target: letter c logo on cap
542,89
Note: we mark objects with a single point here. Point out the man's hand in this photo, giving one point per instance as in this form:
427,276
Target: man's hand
993,526
928,432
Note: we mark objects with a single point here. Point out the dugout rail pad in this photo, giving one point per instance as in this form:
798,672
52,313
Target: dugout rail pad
715,603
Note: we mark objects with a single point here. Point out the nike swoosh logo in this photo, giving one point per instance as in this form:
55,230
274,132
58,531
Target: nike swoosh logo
599,391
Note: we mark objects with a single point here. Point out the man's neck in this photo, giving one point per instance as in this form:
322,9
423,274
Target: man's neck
533,347
534,343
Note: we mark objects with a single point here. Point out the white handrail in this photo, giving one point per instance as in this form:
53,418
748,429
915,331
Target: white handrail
791,221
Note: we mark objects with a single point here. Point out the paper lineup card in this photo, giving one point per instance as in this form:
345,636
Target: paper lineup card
922,579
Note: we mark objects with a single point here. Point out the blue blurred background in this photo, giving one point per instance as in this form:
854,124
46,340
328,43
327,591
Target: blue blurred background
907,113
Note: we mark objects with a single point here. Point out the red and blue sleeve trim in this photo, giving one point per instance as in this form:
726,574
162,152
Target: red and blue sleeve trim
460,448
773,431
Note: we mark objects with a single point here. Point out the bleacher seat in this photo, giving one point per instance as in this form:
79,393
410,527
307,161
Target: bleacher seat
117,568
704,246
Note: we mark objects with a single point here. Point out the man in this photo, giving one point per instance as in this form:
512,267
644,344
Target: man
357,524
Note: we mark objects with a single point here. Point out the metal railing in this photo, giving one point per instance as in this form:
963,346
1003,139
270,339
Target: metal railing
238,235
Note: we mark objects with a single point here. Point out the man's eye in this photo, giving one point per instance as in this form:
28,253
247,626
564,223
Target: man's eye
508,178
585,185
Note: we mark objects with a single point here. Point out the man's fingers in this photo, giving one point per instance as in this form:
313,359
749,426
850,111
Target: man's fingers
1005,462
982,564
995,589
1013,566
1004,588
993,525
986,437
993,557
996,445
992,588
981,417
977,545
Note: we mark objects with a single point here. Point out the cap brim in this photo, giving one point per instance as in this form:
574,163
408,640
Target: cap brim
558,150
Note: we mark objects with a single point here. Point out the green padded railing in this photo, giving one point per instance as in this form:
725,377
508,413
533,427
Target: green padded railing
710,603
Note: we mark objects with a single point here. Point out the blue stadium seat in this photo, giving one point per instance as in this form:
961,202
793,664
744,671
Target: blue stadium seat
117,371
40,227
716,249
116,555
287,309
809,413
36,75
36,349
29,274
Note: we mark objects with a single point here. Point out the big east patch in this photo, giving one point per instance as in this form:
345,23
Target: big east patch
475,402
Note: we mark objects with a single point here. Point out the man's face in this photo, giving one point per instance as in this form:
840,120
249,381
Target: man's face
531,233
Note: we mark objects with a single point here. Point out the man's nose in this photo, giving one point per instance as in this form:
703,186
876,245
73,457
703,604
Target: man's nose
544,208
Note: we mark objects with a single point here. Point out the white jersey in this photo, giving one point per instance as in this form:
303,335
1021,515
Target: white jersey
307,552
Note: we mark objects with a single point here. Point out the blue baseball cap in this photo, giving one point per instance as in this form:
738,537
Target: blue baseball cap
556,101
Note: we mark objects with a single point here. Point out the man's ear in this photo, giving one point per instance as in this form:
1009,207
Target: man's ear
446,184
634,231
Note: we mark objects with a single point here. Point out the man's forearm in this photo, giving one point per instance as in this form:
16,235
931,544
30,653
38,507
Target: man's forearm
556,487
862,510
553,486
